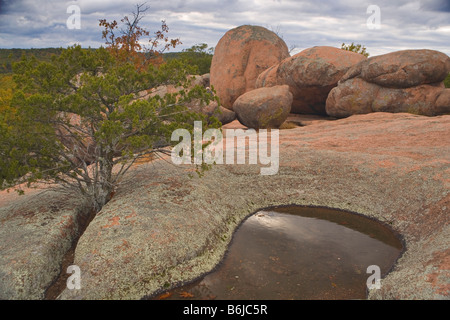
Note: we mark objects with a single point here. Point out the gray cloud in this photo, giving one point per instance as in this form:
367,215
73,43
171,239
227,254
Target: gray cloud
404,23
436,5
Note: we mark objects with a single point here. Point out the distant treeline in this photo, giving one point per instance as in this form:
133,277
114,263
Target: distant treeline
8,56
196,55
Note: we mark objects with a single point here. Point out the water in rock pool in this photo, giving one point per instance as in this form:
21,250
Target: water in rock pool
298,253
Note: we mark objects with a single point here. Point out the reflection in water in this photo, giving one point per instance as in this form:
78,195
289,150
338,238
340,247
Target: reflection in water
298,253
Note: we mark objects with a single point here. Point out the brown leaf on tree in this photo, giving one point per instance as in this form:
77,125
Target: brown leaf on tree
128,45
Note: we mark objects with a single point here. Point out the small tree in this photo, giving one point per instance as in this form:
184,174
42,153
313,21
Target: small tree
128,46
355,48
77,121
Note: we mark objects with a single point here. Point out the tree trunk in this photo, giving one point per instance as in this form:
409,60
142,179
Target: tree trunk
103,188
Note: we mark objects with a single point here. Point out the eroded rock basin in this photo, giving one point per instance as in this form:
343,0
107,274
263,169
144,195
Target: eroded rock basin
166,228
298,252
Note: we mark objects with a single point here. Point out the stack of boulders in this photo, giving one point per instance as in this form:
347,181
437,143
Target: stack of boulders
254,75
310,75
240,56
402,81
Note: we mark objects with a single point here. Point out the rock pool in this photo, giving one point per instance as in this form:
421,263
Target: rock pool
297,252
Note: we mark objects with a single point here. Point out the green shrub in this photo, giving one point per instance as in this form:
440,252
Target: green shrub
447,81
355,48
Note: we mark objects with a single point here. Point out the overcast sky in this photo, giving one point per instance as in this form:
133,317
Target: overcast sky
404,24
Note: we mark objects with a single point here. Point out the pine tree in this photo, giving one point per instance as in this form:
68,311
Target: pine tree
77,121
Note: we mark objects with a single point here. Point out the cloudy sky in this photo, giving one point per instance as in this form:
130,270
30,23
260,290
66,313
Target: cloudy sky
403,24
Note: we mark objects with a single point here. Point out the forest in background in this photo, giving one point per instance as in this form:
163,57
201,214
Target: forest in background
199,55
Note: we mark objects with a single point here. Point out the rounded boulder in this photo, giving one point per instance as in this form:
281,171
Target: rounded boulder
240,56
264,108
356,96
403,69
